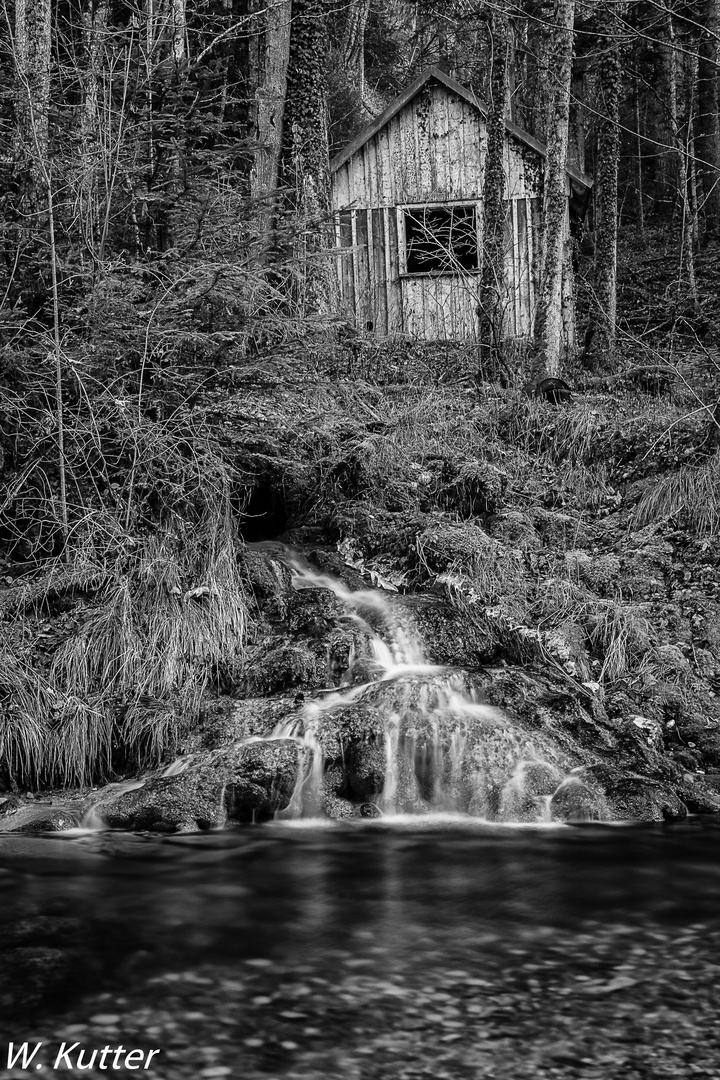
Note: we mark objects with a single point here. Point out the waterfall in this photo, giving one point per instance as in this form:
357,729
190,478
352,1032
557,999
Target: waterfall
439,750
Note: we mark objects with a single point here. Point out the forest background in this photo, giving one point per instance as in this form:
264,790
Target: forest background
176,379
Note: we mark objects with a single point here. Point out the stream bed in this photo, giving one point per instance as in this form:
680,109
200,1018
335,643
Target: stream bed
407,947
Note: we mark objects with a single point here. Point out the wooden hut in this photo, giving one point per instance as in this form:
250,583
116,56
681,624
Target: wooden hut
407,198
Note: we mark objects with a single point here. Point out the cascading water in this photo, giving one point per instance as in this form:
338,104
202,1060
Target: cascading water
434,747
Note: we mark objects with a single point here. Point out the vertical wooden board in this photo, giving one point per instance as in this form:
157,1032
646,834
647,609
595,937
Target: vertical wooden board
392,263
511,284
412,307
449,290
454,157
380,318
409,134
464,298
514,172
474,145
433,307
340,195
438,144
536,245
364,284
386,190
371,173
403,161
360,193
523,269
347,259
515,255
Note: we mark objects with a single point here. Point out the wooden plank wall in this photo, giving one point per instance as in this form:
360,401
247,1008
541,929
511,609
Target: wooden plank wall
432,151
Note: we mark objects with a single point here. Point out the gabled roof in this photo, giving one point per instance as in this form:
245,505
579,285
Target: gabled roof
434,73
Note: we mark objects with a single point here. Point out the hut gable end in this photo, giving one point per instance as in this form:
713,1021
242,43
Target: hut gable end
407,195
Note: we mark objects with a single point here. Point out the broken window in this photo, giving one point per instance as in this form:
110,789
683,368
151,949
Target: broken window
440,240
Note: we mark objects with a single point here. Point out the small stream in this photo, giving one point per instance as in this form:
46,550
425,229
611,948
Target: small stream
434,946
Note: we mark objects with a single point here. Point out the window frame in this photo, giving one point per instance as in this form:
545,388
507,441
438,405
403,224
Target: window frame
403,209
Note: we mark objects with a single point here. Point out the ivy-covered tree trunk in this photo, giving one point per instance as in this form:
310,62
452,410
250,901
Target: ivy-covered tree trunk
493,284
609,78
274,53
548,314
354,43
33,33
270,96
708,118
305,166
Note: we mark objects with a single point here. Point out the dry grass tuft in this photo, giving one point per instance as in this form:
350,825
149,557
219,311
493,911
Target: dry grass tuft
169,621
692,493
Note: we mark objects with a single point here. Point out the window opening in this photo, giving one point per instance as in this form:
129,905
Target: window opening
440,240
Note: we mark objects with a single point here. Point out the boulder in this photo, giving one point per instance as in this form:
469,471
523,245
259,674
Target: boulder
365,769
191,800
259,776
40,819
575,801
631,797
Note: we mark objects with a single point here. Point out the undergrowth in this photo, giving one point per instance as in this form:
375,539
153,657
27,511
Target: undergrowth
691,494
168,625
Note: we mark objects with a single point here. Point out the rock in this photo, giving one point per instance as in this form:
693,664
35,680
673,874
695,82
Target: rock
259,776
514,529
526,795
270,577
446,545
448,637
338,809
270,670
601,573
476,487
365,770
566,643
314,612
631,797
41,819
191,800
339,728
364,670
9,804
575,801
369,810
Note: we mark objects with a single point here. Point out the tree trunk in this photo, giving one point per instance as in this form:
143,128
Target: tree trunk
687,255
548,315
354,43
93,141
305,166
33,29
640,196
493,285
708,124
270,97
609,73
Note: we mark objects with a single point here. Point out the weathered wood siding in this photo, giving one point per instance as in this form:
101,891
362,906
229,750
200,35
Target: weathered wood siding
431,151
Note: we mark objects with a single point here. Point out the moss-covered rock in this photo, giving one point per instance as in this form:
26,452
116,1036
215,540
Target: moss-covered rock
188,801
631,797
259,777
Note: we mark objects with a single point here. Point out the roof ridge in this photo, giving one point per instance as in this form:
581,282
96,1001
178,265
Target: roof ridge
412,90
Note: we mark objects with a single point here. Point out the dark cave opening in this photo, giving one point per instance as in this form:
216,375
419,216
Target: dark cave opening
265,514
